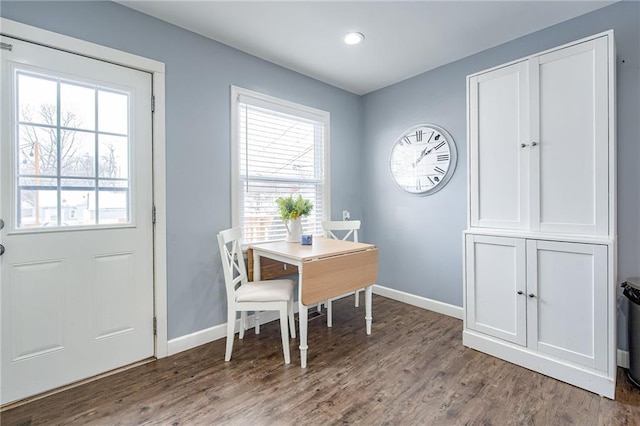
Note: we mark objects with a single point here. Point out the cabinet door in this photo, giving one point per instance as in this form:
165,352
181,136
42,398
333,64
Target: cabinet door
499,165
567,301
495,273
569,123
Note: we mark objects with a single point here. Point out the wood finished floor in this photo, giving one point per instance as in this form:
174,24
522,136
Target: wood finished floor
413,370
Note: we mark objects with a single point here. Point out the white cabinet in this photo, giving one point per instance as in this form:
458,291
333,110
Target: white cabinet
548,296
540,270
539,143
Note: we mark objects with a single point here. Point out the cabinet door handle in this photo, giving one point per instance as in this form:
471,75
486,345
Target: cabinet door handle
519,291
532,295
523,145
534,143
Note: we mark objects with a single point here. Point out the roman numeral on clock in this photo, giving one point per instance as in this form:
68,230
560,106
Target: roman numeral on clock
442,157
431,136
418,135
407,140
438,169
440,145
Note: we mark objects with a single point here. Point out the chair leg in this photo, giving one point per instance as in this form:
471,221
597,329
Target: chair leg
319,307
243,323
357,293
292,322
231,331
284,331
329,303
256,317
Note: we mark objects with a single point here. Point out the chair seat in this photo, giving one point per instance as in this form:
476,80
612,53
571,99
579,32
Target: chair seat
265,291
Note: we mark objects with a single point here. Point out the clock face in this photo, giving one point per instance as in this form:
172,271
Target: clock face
423,159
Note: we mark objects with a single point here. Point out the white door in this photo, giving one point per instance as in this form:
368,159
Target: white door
496,283
499,141
570,123
567,301
76,191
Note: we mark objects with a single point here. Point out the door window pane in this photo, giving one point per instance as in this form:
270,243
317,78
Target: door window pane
78,198
114,156
78,106
37,99
112,206
113,117
37,150
78,153
38,202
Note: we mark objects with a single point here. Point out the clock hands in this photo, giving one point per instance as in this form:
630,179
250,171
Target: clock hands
426,151
423,154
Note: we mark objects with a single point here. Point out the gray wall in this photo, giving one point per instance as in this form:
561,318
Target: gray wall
421,237
199,72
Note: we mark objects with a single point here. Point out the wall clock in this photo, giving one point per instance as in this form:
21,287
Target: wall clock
423,159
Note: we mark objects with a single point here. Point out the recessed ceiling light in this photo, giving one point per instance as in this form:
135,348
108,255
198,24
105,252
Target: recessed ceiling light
353,38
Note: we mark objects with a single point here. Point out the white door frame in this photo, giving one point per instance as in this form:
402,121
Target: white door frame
156,69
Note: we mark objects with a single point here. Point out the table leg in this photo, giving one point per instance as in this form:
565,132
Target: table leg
303,313
367,308
303,316
256,277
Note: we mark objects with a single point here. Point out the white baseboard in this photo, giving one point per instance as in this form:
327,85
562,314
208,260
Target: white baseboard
419,301
623,358
190,341
211,334
216,332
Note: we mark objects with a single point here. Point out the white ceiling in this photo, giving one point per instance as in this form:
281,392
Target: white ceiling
403,38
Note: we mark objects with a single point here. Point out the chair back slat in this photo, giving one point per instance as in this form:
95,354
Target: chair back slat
235,273
350,227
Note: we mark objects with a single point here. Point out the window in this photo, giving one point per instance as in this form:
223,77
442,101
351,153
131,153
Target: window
72,146
278,149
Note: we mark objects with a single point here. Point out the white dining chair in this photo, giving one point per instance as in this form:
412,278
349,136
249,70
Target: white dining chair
341,230
243,296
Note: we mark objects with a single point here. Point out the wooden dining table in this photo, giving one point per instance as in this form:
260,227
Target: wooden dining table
326,269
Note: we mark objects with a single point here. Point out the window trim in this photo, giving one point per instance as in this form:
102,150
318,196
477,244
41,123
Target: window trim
280,105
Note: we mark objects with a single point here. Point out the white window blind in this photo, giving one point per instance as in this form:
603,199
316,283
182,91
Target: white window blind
281,151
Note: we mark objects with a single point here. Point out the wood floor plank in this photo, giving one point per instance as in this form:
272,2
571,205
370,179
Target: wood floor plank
413,370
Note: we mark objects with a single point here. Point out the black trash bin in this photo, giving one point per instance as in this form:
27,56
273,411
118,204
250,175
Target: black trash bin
632,291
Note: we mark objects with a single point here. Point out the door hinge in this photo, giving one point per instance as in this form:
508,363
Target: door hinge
153,103
153,215
155,326
6,46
